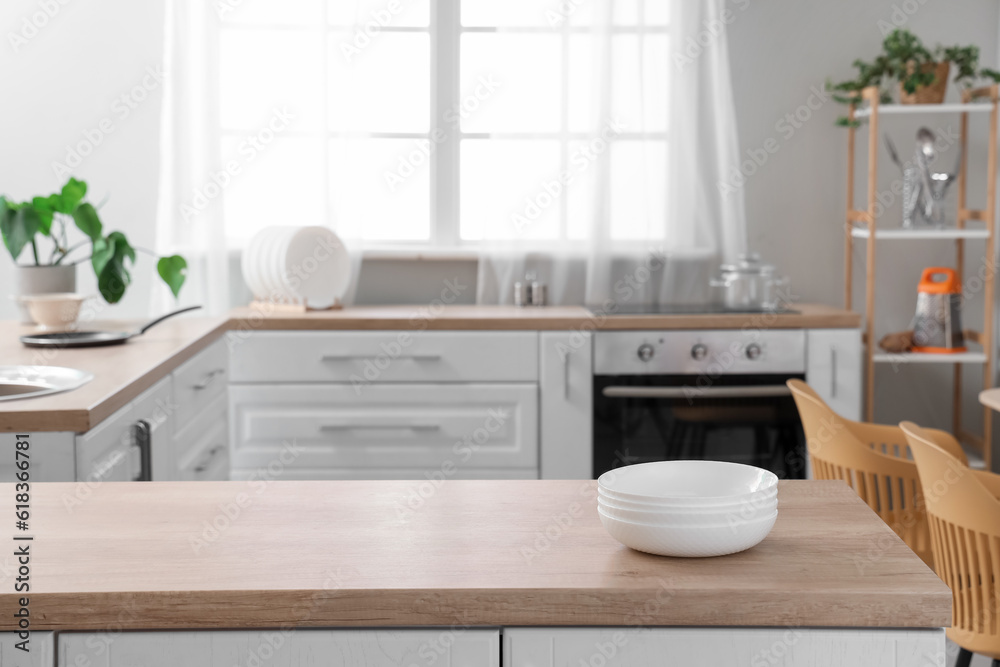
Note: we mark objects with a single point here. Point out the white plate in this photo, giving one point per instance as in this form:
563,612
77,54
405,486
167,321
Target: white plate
248,265
267,263
686,482
689,541
316,267
47,379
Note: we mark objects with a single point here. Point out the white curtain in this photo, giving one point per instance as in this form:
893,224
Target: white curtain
679,246
189,154
193,180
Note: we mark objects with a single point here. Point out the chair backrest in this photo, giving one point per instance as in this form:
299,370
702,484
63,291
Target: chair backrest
874,460
964,515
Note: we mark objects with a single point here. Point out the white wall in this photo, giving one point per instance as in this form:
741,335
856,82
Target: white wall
59,85
781,54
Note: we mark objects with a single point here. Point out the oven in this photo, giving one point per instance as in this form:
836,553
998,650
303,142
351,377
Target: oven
717,395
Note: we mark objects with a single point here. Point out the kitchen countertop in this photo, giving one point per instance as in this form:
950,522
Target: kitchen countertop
451,318
172,555
123,372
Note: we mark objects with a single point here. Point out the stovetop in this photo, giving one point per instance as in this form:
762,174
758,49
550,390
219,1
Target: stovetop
685,309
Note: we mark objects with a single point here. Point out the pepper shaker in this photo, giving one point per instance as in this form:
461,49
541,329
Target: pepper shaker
522,295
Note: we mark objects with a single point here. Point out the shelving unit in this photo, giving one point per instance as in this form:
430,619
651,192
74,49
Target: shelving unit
861,225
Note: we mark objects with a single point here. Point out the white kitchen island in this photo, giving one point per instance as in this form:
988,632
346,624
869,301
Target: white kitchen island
463,573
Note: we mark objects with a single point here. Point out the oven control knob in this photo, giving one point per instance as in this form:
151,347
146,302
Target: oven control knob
646,352
699,352
753,351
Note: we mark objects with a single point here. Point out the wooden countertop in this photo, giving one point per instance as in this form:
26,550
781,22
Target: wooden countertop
174,555
121,372
452,318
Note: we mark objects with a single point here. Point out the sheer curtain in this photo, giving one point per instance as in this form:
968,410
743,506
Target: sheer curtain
189,221
680,226
196,178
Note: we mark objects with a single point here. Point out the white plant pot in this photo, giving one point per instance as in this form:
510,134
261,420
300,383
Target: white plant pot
41,280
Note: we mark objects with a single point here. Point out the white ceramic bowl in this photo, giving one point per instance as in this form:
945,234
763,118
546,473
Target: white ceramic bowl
691,483
755,498
691,517
689,541
54,311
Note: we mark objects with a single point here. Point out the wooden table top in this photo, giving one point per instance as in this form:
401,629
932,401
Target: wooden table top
990,398
174,555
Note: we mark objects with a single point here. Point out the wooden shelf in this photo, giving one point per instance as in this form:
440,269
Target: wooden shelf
920,234
972,107
971,357
861,225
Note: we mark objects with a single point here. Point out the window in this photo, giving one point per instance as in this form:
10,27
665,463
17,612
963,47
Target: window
442,122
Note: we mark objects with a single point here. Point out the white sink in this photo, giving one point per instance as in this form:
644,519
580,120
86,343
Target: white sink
19,382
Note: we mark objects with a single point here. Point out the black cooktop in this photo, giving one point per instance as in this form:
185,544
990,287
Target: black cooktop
684,309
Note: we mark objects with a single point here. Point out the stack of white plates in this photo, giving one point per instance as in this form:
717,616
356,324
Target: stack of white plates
688,508
297,265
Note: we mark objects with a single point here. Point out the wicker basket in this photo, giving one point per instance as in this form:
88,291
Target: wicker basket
932,94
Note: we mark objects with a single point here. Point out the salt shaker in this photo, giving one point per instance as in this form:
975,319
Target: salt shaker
537,294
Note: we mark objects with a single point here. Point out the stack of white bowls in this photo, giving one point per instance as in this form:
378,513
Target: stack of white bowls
688,508
297,265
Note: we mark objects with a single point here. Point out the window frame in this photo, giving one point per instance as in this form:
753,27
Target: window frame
445,32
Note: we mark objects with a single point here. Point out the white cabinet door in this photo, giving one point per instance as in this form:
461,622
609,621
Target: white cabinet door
454,647
715,647
41,650
567,405
52,457
371,357
424,427
111,451
833,368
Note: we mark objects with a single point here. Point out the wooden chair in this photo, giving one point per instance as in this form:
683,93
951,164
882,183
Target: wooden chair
963,508
874,460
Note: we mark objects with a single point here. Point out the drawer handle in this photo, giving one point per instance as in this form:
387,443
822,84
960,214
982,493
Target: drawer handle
380,427
203,466
358,357
209,379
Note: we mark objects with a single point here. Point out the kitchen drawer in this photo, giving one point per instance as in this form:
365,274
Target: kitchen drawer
208,457
421,426
190,437
363,358
199,380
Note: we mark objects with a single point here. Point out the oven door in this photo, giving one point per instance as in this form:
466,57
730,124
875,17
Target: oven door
748,419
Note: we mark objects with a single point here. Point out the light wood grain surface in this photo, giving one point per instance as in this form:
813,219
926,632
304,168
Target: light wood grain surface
121,372
452,318
990,398
176,555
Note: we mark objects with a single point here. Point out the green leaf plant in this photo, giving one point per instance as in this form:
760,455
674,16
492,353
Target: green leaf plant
905,59
24,224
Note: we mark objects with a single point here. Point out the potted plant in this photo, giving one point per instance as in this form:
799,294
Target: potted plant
921,74
24,225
